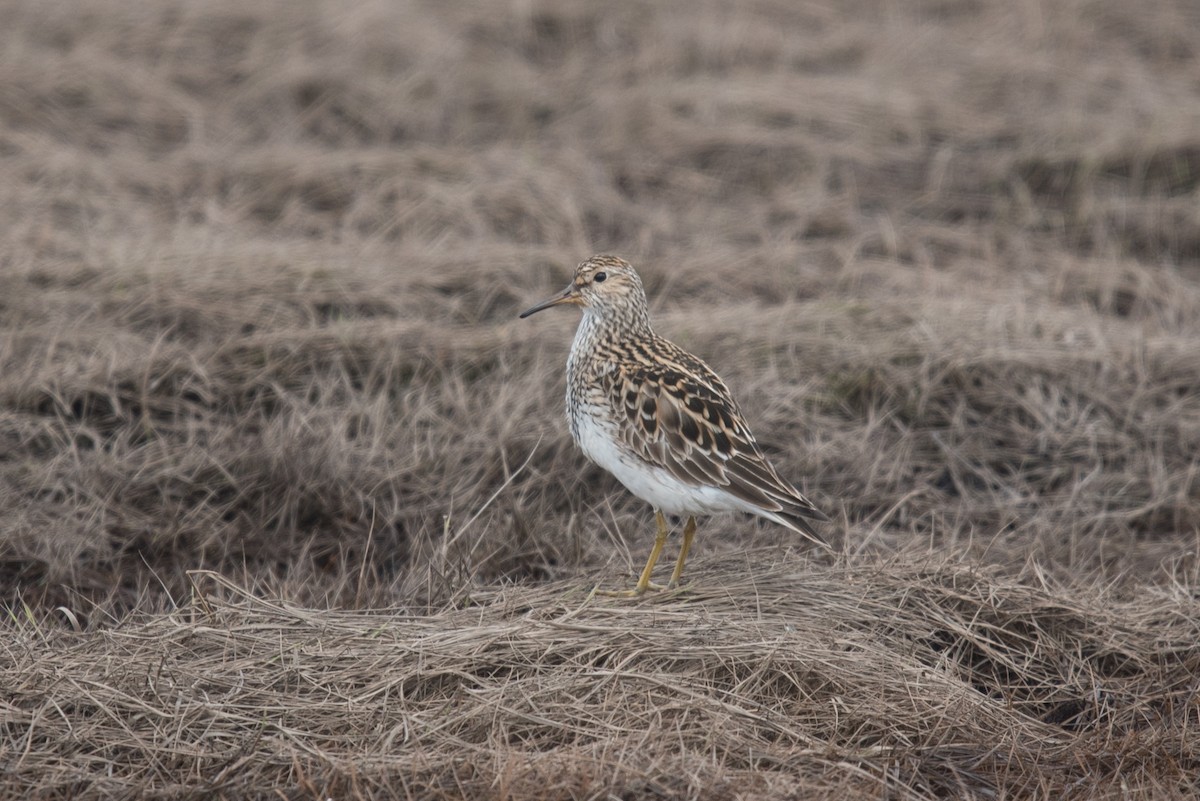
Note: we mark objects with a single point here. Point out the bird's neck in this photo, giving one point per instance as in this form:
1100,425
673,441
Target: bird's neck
597,330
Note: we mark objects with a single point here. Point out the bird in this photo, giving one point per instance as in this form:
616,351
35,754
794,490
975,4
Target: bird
660,420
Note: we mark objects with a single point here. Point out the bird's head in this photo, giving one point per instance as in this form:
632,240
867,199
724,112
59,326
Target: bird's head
604,285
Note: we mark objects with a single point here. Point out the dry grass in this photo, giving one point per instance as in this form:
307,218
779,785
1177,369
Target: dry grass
258,285
792,680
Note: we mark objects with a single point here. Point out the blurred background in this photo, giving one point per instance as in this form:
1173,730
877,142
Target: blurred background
261,266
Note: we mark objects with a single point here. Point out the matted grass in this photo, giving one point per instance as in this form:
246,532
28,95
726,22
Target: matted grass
773,677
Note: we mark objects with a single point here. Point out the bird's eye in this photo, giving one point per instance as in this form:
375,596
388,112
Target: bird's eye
599,277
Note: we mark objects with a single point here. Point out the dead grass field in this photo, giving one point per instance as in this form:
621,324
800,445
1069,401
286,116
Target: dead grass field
288,508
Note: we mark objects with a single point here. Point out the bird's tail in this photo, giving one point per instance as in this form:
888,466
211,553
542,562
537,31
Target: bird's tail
801,519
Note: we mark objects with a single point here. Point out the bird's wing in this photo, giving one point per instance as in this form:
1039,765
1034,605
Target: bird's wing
686,422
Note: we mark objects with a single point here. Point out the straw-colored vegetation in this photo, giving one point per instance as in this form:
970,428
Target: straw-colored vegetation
287,504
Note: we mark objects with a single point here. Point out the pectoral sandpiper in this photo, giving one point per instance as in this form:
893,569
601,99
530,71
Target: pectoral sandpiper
660,420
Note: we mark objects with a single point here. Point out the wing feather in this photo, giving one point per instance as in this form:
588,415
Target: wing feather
686,422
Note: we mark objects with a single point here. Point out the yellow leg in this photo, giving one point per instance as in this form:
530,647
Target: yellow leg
644,582
689,532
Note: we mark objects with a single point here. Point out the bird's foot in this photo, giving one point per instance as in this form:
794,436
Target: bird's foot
637,591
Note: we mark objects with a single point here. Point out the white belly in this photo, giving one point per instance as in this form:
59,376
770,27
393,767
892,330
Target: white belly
652,484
